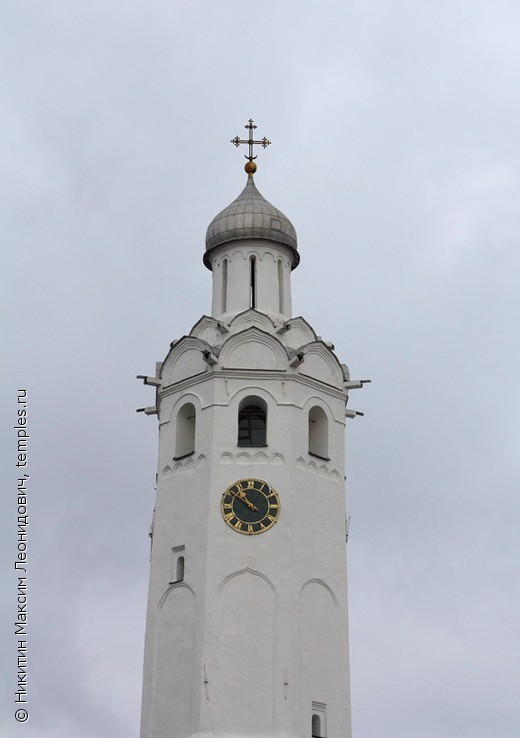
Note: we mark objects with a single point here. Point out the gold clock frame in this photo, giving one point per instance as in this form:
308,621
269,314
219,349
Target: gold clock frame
237,491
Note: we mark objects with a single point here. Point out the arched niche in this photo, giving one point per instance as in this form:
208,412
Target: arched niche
185,430
318,433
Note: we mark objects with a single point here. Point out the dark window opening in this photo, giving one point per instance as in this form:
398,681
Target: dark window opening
177,565
252,426
179,569
316,726
252,283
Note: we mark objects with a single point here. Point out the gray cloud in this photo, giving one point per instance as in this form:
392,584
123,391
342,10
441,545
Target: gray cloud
395,153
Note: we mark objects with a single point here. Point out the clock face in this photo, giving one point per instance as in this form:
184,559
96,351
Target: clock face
250,506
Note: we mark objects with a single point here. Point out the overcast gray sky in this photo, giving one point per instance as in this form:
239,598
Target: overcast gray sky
396,155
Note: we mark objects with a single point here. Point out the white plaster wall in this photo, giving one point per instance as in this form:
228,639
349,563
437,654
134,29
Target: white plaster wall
174,645
248,617
248,589
244,666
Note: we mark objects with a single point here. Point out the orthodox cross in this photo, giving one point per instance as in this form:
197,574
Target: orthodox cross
250,141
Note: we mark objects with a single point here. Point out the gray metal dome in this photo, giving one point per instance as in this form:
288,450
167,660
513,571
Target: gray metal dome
251,216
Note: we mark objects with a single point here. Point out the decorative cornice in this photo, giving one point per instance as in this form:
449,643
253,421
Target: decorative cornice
252,374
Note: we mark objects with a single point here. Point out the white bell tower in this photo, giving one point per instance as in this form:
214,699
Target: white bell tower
247,631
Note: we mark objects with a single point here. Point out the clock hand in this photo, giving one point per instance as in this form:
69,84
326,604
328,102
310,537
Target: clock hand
242,496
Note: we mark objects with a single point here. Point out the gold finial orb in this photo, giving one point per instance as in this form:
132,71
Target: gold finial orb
250,167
